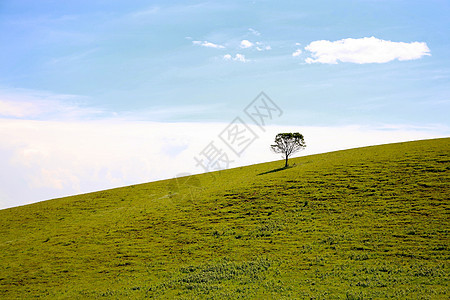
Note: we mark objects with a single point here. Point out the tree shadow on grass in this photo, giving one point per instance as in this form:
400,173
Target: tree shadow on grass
276,170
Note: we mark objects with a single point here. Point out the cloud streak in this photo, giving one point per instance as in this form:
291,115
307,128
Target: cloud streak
31,104
364,50
262,47
297,53
255,32
208,44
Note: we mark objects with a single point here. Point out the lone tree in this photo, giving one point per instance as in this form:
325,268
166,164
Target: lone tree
287,144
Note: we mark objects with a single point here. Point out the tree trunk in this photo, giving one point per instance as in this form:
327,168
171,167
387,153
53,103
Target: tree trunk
286,164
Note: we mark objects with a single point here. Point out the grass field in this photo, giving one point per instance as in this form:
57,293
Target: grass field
364,223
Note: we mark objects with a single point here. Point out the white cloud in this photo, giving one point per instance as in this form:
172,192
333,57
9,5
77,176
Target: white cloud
237,57
253,31
22,103
208,44
364,50
297,53
18,110
261,46
146,12
240,57
58,158
246,44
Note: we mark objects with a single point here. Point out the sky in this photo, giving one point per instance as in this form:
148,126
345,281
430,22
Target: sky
102,94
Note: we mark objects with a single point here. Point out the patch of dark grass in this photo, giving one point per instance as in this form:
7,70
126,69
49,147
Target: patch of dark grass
206,278
275,170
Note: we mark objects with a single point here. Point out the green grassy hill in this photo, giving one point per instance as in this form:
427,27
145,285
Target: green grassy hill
365,223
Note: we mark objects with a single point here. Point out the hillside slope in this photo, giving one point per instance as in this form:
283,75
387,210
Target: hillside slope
370,222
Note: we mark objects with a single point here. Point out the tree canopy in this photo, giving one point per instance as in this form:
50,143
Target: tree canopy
287,144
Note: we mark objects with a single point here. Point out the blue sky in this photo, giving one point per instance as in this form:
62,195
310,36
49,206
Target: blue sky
366,64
